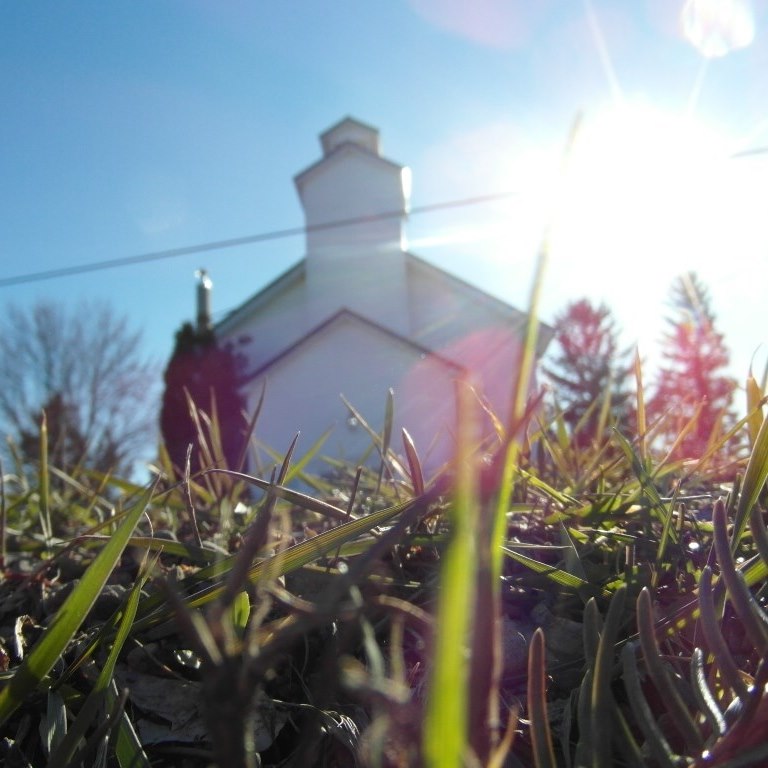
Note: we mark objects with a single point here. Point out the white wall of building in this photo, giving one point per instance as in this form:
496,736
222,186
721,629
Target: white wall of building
360,361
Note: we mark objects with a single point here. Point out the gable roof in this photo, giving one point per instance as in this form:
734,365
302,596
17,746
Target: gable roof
296,274
288,279
347,314
503,308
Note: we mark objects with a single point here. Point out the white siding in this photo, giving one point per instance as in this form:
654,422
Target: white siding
360,361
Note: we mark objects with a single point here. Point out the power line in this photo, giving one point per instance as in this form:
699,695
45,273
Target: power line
236,242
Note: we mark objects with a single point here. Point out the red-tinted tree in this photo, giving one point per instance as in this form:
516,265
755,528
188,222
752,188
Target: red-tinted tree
692,390
587,366
207,373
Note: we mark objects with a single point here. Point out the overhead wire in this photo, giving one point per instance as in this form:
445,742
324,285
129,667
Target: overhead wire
236,242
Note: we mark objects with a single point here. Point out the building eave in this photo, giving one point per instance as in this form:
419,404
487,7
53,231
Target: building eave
280,284
417,348
546,332
347,148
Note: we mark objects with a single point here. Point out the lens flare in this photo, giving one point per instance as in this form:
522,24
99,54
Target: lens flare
717,27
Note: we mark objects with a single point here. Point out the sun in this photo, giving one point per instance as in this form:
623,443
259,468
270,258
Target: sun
642,187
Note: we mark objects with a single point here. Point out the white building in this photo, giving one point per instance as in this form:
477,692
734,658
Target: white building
359,315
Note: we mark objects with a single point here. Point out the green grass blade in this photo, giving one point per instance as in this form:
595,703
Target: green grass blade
591,629
155,610
195,554
287,494
446,725
53,725
54,640
714,638
44,476
754,408
665,511
62,756
741,598
128,748
414,465
704,697
759,533
519,399
655,740
585,746
541,737
754,480
557,575
296,469
603,705
386,434
662,678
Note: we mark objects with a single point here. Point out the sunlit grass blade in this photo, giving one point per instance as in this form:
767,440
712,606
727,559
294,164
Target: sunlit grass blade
556,575
754,480
642,423
302,500
755,402
54,640
154,610
520,394
446,726
663,510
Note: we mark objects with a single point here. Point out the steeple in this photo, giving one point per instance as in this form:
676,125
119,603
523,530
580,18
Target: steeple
355,205
351,182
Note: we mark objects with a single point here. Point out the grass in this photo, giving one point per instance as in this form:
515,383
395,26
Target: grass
227,619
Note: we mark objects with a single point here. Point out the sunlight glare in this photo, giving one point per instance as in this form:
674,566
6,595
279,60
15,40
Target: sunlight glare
717,27
641,184
646,197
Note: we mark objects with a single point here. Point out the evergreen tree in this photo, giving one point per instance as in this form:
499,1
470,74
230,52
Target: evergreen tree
692,389
587,365
208,373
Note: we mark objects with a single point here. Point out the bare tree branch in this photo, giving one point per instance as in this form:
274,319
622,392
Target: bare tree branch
89,362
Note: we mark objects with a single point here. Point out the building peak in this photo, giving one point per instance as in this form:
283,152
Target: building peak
350,131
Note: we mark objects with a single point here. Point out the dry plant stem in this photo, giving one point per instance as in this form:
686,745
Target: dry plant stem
228,688
257,535
351,504
188,498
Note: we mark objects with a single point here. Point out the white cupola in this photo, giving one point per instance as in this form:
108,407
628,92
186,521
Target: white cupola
355,204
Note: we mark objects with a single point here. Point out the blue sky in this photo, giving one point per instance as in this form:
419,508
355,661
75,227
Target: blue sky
135,127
